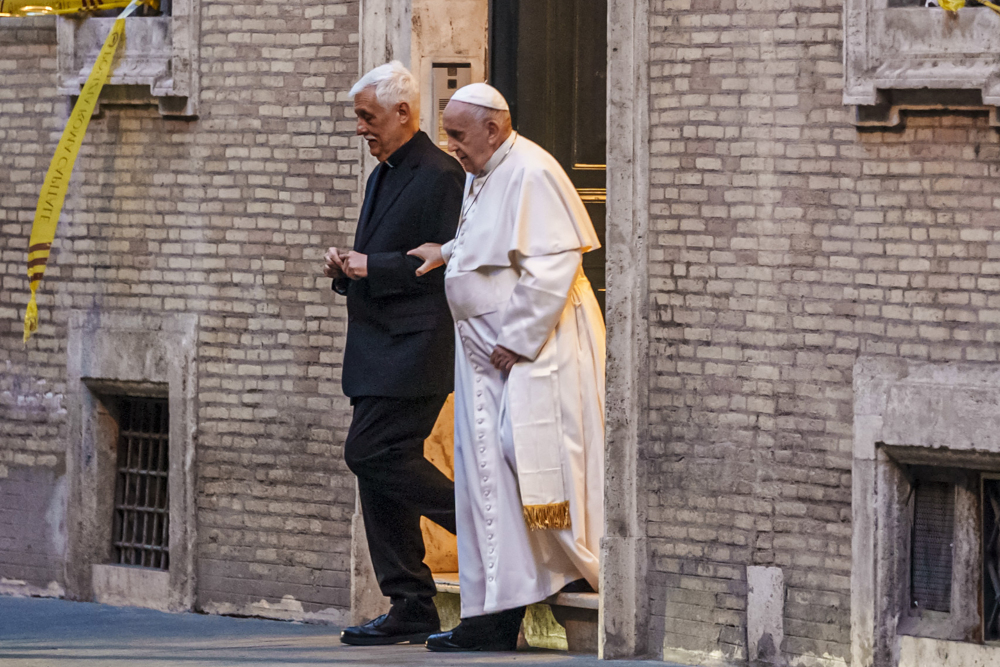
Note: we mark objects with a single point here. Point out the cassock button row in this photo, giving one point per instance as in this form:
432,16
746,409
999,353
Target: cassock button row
479,421
491,578
489,507
489,522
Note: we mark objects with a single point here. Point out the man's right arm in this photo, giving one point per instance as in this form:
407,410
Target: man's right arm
394,273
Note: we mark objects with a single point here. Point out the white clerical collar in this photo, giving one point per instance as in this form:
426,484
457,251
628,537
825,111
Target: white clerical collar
498,155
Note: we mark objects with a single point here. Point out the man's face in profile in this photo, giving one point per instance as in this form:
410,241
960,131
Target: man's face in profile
384,129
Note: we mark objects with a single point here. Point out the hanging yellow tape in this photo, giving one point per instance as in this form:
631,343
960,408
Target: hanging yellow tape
955,5
36,7
50,201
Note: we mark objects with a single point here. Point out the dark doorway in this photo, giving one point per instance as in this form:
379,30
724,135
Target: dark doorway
549,59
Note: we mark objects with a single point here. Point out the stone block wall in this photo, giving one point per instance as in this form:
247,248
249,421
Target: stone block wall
784,244
226,216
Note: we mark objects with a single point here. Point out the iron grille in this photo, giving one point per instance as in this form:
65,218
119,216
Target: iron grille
141,522
933,534
991,559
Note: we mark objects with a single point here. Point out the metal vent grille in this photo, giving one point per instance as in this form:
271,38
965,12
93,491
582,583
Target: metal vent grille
991,559
141,522
933,533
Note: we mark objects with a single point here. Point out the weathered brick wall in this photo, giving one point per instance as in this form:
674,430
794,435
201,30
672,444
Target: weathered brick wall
32,429
226,216
784,244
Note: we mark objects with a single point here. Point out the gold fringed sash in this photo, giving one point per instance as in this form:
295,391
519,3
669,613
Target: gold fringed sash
547,517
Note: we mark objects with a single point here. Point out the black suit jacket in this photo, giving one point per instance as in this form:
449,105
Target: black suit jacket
400,335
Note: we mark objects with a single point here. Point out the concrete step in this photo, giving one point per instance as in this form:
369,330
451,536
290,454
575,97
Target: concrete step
564,621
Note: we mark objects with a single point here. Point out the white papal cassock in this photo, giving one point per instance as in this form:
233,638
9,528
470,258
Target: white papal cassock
514,277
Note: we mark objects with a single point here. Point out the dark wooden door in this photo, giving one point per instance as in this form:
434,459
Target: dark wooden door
549,59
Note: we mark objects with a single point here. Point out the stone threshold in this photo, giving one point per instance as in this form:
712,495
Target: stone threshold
447,582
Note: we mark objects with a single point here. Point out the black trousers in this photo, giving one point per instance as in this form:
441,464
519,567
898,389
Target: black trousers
397,485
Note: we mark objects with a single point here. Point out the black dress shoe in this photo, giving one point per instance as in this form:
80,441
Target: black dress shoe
403,624
492,632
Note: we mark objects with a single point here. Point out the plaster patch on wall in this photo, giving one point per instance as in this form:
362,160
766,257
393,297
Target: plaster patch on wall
921,652
55,516
719,659
288,609
22,589
825,660
702,658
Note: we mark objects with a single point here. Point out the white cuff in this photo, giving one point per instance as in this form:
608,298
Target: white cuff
446,250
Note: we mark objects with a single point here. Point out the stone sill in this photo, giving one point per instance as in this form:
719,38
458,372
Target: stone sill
29,22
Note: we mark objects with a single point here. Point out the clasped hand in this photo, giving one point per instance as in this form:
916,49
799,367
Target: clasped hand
347,263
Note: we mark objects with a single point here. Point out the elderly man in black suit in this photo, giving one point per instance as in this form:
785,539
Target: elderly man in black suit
399,357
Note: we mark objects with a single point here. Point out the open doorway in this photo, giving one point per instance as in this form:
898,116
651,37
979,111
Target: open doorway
549,59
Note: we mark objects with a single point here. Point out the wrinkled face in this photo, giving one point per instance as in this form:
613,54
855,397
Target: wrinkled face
384,129
471,140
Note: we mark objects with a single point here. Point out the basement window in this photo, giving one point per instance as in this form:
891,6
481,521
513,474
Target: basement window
931,546
141,528
991,559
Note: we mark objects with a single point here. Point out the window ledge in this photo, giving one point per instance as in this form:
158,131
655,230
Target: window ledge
902,48
158,63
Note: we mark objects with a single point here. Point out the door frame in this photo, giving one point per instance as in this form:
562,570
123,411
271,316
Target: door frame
385,32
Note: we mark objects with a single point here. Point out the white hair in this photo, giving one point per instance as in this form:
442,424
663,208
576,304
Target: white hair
393,83
499,116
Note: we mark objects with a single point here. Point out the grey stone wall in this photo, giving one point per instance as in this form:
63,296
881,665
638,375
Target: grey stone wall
784,243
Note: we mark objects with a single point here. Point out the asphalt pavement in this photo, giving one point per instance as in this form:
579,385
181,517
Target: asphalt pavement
36,632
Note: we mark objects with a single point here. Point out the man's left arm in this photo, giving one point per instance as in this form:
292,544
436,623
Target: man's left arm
538,301
394,273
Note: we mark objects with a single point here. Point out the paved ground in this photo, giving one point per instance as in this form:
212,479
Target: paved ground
55,633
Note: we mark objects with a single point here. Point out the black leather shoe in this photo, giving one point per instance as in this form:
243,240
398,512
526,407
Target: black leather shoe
403,624
492,632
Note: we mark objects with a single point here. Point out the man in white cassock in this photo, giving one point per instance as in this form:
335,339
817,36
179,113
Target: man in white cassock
529,377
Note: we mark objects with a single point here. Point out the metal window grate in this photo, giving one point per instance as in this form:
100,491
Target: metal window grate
933,534
991,559
141,521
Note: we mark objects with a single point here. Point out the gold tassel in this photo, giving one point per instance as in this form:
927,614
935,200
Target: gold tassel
31,316
547,517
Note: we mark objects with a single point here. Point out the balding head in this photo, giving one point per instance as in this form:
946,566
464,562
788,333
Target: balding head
475,133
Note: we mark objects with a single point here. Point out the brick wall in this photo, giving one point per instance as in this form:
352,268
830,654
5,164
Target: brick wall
785,243
226,216
32,429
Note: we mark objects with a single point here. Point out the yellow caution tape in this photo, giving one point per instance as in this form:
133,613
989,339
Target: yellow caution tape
989,4
955,5
951,5
50,201
39,7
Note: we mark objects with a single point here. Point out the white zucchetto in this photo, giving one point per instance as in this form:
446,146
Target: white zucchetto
482,95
